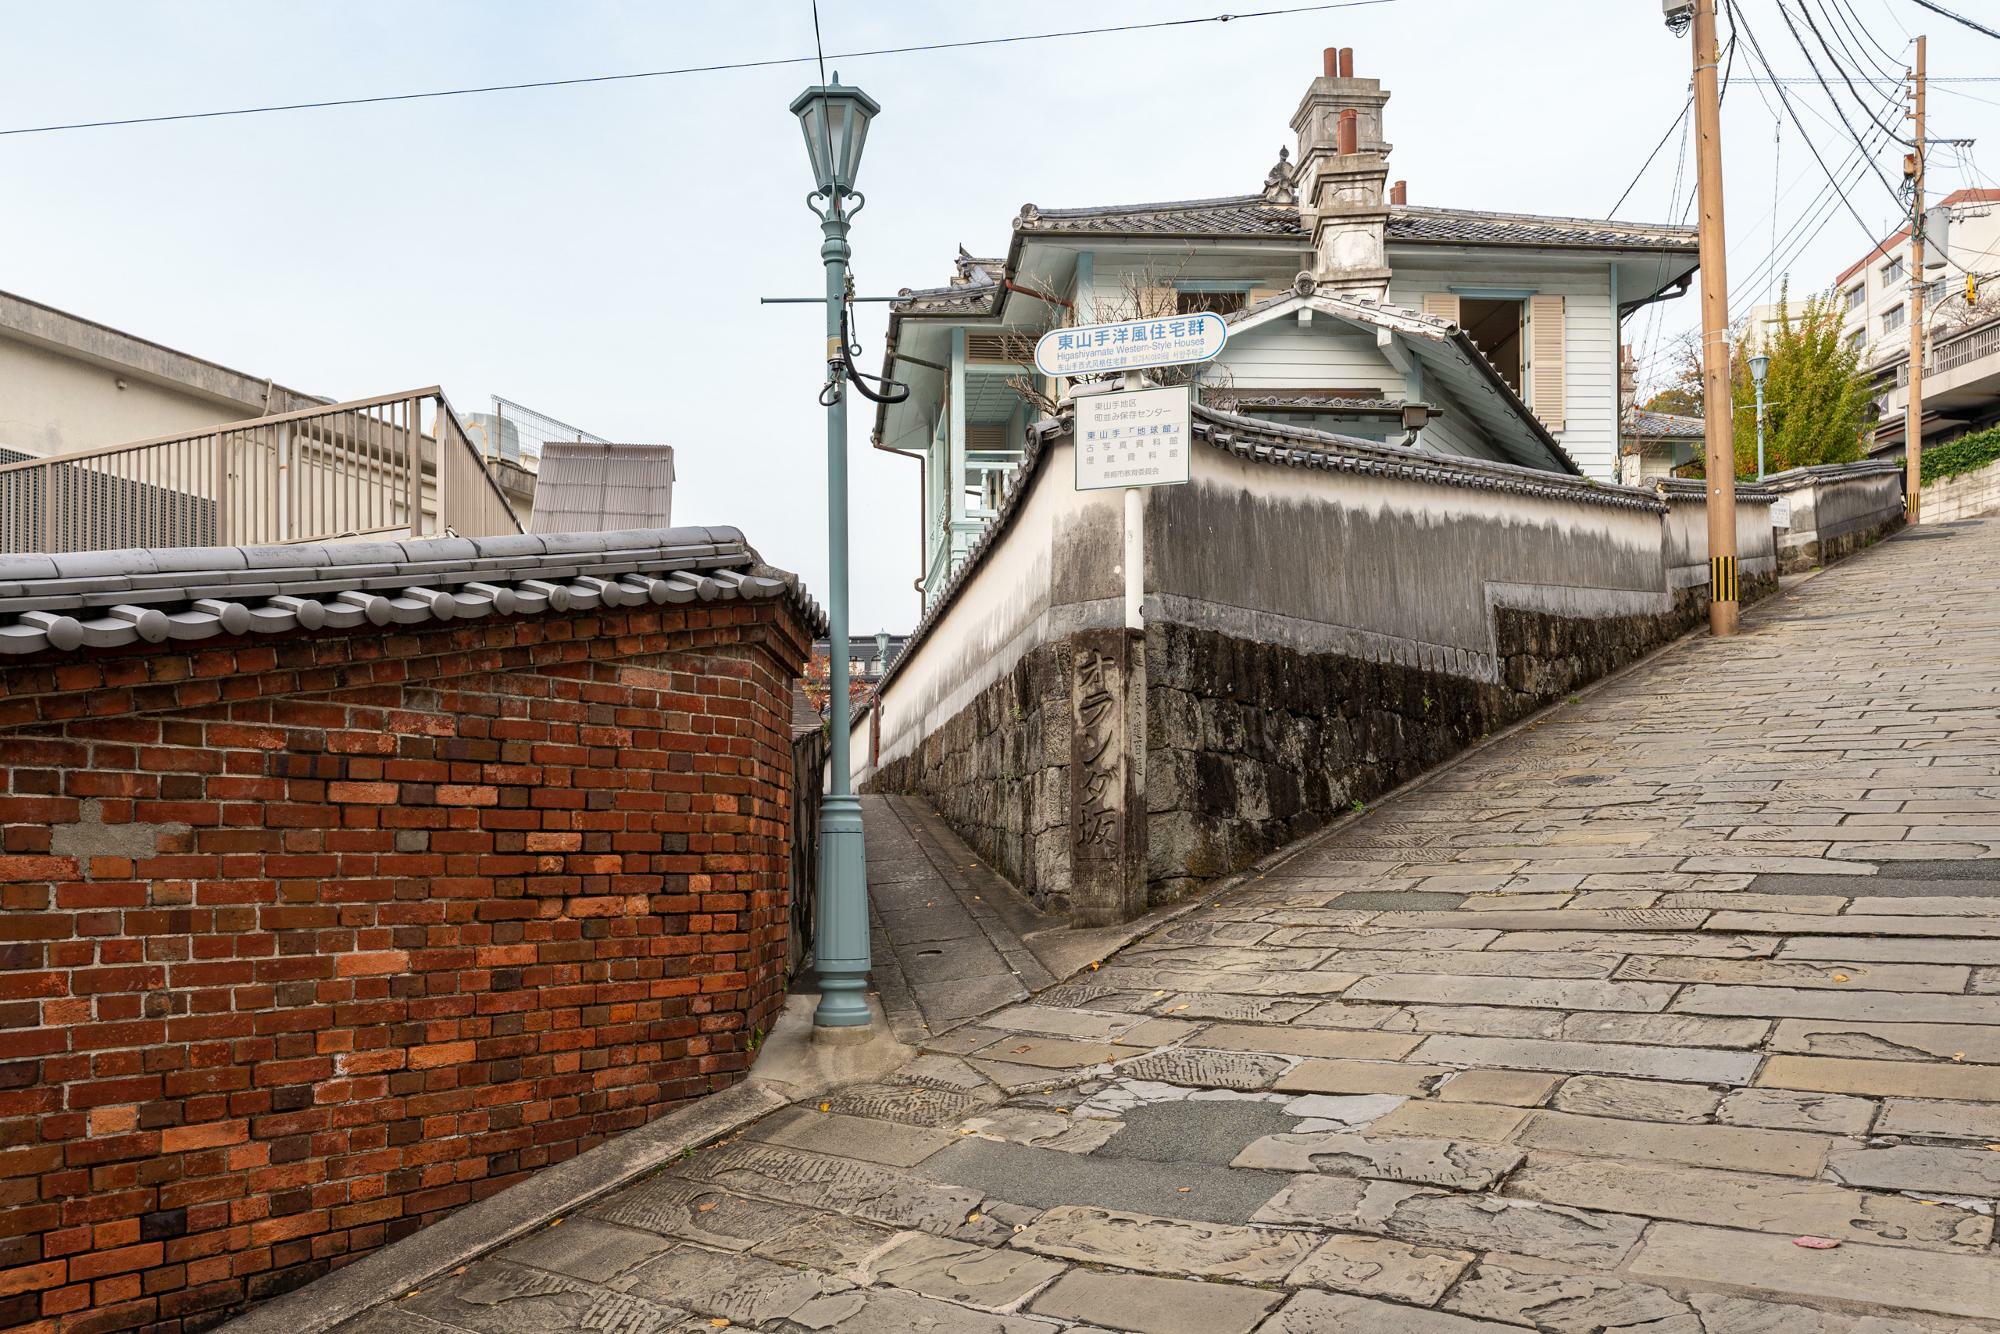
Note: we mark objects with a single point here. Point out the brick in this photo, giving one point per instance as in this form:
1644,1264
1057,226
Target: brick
33,1278
179,1139
336,1074
431,1056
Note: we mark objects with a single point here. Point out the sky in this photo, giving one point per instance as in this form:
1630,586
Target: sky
598,252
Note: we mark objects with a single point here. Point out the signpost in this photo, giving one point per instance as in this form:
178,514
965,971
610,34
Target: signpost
1136,438
1131,345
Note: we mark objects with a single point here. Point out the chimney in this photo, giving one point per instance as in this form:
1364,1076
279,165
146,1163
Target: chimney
1399,193
1342,177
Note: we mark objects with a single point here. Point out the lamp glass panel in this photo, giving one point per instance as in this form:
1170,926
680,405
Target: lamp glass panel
812,118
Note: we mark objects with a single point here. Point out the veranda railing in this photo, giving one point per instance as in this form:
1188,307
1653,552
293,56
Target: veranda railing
398,465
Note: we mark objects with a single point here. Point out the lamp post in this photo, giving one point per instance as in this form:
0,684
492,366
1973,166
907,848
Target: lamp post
1760,365
835,119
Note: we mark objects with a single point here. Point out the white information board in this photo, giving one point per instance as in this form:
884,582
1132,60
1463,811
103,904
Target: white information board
1131,345
1136,438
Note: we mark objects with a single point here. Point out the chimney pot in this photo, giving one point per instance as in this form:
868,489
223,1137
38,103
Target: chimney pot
1346,62
1350,131
1330,62
1399,193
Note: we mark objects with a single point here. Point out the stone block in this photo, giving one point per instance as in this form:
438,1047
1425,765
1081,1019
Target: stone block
1479,1122
1155,1305
1961,1285
1339,1076
1730,1147
1516,1088
1313,1312
980,1276
1689,1064
1636,1099
1919,1167
1781,1109
1941,1120
1434,1162
1753,1202
1528,992
1285,1041
1961,1083
1570,1303
1166,1245
1378,1267
1432,1217
1208,1069
844,1136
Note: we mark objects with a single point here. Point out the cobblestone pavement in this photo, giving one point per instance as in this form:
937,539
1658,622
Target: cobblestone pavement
1677,1012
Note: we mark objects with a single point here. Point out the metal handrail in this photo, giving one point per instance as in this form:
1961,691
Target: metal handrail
325,473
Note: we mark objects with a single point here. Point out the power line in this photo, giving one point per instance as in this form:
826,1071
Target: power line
689,69
1936,8
1890,64
1613,212
1736,20
1838,68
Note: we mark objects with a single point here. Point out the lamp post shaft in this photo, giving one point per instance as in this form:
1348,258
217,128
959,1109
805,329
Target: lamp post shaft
1760,428
841,952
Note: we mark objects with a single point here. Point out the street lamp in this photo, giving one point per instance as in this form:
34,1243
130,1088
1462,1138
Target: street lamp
1760,365
835,120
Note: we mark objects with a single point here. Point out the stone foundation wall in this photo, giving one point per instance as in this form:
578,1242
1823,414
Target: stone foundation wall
998,772
1251,745
1965,496
1834,510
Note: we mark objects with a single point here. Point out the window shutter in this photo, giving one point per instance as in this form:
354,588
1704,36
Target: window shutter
1157,302
1545,359
1444,305
1263,294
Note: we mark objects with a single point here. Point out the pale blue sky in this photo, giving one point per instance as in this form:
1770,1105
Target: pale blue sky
598,252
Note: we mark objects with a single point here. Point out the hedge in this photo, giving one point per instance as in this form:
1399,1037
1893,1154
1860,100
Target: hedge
1961,455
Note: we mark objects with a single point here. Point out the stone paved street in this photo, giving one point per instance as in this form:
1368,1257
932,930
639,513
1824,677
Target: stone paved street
1584,1034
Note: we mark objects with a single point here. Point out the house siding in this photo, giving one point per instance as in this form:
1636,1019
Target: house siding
1590,340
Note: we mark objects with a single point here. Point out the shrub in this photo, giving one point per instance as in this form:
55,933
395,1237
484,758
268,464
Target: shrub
1961,455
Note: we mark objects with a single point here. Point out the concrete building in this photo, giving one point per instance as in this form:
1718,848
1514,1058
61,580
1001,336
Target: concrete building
1961,324
68,383
1347,304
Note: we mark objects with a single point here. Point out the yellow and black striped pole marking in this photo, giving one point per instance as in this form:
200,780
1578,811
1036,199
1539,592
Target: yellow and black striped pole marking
1722,579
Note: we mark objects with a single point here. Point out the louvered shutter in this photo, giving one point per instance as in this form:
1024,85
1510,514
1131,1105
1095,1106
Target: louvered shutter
1545,359
1150,303
1444,305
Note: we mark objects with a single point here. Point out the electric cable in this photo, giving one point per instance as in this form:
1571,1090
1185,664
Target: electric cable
690,69
1785,12
1956,17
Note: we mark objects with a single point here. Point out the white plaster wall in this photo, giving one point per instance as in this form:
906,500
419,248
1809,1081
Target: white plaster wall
1590,338
1011,605
1389,568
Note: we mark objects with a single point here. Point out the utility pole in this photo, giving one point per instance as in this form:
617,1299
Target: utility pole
1718,412
1913,414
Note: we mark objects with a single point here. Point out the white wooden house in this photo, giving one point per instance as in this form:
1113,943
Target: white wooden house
1460,332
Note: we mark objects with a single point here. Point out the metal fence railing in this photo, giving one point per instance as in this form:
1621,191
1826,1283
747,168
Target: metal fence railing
395,465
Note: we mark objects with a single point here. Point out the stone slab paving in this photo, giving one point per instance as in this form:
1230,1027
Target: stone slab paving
1584,1034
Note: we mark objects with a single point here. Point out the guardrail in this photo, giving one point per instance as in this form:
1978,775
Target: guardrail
398,465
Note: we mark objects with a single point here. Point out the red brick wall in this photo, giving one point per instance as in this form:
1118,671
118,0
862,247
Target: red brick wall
306,941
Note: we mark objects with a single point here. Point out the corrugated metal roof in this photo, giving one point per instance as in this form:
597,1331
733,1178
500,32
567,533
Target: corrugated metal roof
587,487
